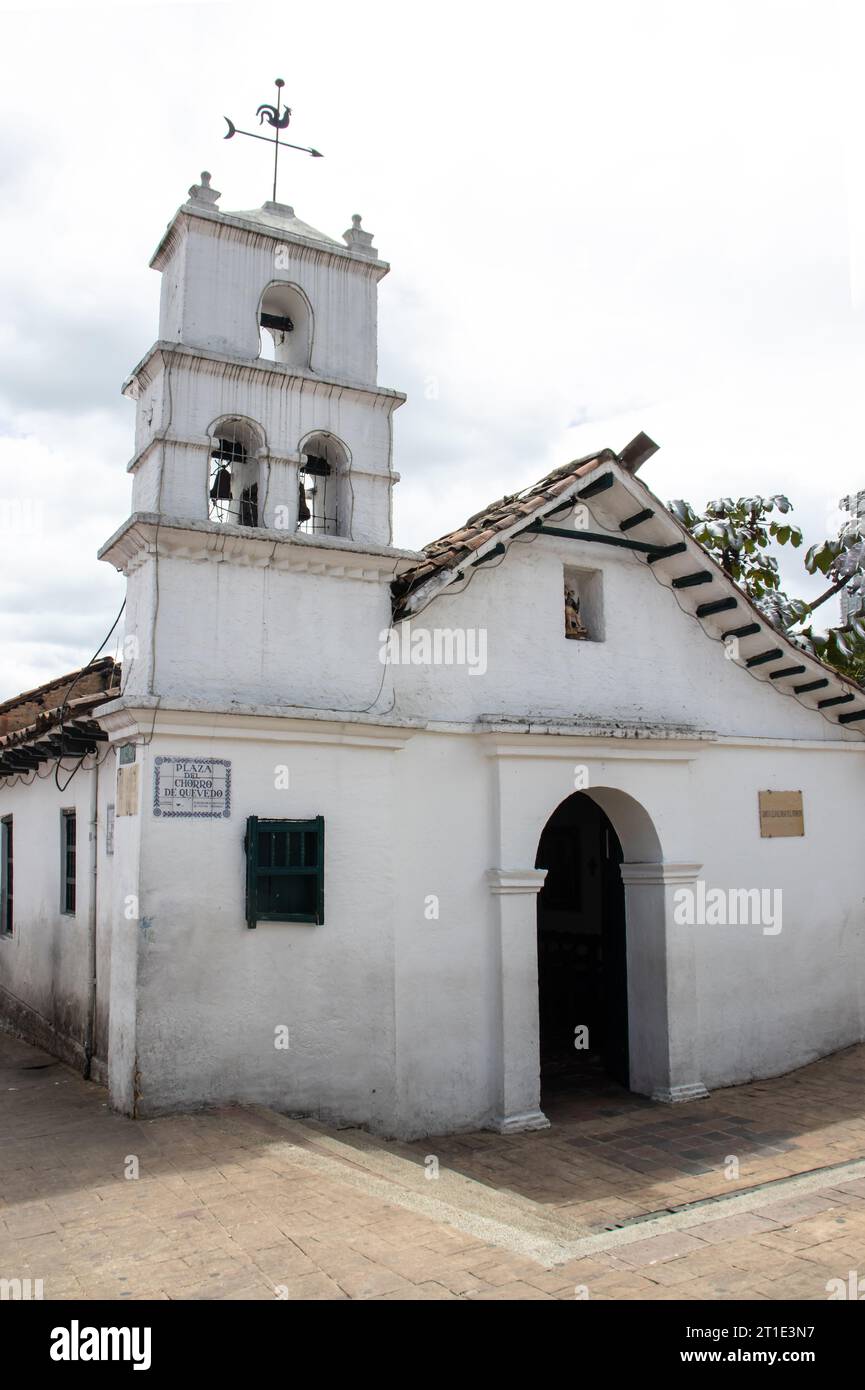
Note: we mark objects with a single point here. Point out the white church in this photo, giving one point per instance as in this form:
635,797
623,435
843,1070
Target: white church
405,839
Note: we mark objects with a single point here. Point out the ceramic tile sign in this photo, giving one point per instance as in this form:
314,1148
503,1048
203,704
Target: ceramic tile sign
192,787
781,813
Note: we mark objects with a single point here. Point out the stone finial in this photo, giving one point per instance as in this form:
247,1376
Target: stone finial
201,194
356,239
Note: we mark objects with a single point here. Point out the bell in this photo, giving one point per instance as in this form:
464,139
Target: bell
303,512
317,467
221,489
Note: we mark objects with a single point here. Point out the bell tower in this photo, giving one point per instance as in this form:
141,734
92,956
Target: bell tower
258,405
263,439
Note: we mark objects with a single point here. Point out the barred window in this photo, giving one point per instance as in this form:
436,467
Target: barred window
67,861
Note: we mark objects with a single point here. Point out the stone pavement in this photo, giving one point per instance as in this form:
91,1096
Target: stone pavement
244,1204
611,1155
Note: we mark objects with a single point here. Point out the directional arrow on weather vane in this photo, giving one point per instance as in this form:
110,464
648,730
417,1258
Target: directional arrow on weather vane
278,117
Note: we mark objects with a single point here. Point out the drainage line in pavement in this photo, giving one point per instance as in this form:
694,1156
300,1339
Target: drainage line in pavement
729,1196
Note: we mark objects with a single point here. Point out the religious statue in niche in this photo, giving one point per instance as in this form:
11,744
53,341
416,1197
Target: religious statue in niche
575,628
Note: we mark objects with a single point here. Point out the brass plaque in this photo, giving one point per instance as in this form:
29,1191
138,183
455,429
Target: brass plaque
781,813
127,790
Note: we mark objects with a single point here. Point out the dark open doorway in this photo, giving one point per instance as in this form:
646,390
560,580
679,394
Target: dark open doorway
582,961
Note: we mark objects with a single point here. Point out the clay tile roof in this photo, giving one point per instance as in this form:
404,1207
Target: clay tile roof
22,710
450,551
62,706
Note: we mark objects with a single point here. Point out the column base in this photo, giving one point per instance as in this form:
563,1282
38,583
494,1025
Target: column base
674,1095
518,1124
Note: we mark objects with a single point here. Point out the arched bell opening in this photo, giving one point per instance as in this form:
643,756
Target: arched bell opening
233,473
324,500
285,326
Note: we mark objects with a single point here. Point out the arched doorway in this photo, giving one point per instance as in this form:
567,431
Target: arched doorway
582,950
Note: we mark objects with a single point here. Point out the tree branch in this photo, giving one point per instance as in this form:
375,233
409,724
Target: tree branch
829,593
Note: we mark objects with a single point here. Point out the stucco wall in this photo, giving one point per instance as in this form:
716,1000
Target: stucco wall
212,287
212,992
392,1007
45,965
260,634
655,664
286,408
771,1002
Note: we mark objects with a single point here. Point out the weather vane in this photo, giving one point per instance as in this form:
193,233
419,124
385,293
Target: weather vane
277,116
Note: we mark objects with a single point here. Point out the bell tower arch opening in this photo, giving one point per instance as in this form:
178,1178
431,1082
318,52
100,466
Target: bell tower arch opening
232,484
286,326
325,496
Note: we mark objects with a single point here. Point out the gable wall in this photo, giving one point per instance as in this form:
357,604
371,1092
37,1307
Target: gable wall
655,664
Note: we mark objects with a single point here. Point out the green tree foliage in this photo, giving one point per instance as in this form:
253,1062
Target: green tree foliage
740,533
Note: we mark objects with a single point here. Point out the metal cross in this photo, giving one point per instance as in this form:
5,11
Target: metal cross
277,116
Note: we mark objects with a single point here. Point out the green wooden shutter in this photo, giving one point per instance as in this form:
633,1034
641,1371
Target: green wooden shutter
285,858
252,871
319,828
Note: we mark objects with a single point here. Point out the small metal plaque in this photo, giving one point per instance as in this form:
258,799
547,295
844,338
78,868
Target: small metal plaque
781,814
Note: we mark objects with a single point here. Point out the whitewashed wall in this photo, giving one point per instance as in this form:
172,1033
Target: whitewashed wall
655,664
216,267
45,964
170,471
432,818
272,630
395,1015
212,992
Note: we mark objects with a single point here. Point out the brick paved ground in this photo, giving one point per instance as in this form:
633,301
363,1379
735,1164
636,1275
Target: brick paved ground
241,1204
611,1156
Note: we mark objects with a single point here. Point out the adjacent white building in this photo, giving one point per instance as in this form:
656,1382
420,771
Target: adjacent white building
380,835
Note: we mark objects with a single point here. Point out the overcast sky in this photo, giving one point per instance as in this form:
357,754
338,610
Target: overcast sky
601,218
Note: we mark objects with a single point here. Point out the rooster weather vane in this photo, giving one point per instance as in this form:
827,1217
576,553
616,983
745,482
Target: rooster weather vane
278,117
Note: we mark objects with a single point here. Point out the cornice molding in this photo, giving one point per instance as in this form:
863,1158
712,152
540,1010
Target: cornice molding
132,717
145,534
666,873
508,881
205,360
230,224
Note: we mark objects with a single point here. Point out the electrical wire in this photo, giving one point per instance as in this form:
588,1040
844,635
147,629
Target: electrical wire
450,591
151,682
65,704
